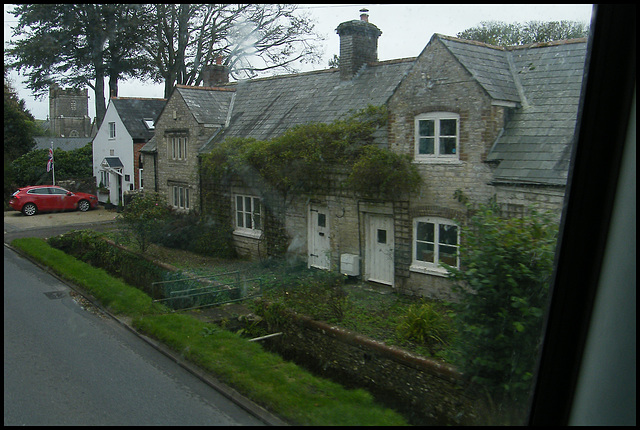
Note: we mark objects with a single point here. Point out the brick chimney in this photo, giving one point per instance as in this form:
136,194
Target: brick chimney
215,74
358,44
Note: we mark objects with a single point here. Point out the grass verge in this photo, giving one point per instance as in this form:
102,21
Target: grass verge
282,387
112,293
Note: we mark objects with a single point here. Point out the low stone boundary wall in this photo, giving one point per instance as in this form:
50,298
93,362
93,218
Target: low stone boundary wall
424,390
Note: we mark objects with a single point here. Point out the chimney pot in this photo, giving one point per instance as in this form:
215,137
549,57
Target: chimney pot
363,15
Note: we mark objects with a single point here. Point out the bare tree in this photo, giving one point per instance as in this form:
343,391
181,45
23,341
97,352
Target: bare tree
250,38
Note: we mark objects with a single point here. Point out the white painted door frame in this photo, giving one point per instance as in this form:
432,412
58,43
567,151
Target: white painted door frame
379,249
318,238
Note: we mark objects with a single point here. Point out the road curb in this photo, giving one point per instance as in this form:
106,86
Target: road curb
248,405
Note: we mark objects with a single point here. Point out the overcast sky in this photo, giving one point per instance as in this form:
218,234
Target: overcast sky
406,30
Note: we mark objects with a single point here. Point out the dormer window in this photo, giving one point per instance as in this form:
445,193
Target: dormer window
437,137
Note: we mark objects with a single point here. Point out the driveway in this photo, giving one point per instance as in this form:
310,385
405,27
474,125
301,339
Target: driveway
48,224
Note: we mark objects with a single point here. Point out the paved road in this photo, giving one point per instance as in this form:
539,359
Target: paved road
64,365
49,224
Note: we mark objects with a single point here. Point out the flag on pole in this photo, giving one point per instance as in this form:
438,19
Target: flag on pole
50,162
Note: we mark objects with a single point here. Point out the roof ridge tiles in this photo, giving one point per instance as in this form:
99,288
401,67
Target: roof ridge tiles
195,87
514,47
545,44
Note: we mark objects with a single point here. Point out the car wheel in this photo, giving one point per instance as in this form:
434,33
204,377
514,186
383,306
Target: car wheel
29,209
83,205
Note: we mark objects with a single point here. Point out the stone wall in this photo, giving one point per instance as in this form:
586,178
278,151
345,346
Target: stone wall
426,391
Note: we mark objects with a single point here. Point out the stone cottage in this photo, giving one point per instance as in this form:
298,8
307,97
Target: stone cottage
477,120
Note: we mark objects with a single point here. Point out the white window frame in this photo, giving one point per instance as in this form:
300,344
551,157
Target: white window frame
248,221
112,130
104,178
437,157
177,147
181,197
433,267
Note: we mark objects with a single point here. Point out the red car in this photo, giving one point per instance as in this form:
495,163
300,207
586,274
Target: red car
50,198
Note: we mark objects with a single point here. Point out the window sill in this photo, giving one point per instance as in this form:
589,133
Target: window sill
437,161
442,272
252,234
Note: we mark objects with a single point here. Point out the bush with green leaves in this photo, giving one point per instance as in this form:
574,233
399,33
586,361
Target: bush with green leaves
503,285
197,234
425,324
143,217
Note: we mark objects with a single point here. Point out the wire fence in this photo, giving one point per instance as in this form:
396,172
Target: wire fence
195,292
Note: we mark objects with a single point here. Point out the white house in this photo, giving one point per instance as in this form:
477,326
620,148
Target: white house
127,125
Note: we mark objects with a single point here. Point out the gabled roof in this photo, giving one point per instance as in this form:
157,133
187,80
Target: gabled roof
544,80
535,147
265,108
488,64
209,105
113,162
134,111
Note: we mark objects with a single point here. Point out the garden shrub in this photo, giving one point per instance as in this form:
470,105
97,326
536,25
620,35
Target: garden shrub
143,218
192,233
317,293
90,247
425,324
503,285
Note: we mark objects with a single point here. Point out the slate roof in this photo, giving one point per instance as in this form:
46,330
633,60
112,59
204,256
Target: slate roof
133,112
545,81
113,162
489,65
208,105
536,144
265,108
61,143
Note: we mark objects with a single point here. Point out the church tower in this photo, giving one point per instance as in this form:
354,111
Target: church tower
69,112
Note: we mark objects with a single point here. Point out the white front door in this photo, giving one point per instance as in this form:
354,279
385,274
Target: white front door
319,246
379,260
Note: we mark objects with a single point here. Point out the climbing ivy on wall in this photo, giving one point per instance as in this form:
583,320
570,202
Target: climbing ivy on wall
305,161
301,160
